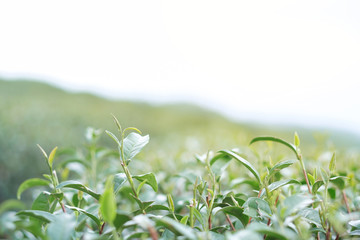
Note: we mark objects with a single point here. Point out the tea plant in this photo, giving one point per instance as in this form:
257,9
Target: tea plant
224,195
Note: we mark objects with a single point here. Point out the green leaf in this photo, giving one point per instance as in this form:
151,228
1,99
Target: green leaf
316,186
244,162
184,220
113,137
43,151
254,206
120,219
338,181
281,165
41,215
155,207
78,186
107,202
51,156
140,186
150,180
281,183
93,217
332,163
119,181
245,234
270,232
176,227
142,205
11,204
133,144
236,212
171,203
296,140
296,203
311,178
311,215
32,182
62,227
117,123
43,202
275,139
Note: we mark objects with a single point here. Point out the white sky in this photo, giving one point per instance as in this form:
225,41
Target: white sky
269,61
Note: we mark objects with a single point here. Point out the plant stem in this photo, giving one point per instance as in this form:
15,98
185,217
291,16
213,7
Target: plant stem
346,201
229,221
299,156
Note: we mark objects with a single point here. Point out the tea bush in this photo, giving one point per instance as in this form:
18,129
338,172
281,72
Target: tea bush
267,190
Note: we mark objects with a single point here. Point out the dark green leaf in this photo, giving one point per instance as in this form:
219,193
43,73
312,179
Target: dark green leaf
32,182
120,219
78,186
43,202
338,181
236,212
244,162
316,186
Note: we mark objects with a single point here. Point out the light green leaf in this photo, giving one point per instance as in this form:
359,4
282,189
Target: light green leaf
296,203
32,182
275,139
93,217
184,220
254,205
113,137
133,144
11,204
78,186
176,227
296,140
170,203
140,186
51,156
243,162
107,202
150,180
281,183
332,163
281,165
119,181
62,227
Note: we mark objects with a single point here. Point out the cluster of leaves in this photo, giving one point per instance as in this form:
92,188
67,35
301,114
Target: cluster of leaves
107,201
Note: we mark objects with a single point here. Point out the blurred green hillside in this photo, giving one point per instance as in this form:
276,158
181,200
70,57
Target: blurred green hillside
36,113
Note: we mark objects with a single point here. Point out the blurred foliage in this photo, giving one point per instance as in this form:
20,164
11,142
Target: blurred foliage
36,113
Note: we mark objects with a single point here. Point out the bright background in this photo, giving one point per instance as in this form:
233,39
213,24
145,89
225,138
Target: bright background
293,62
